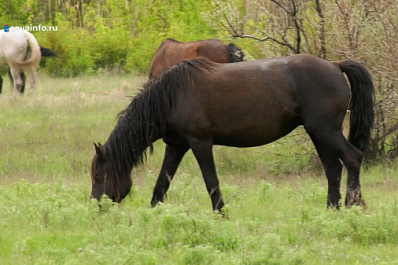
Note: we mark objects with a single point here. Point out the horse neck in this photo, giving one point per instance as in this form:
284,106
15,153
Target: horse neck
129,141
144,120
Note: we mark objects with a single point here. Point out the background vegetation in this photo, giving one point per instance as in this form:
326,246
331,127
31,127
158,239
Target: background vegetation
275,195
97,36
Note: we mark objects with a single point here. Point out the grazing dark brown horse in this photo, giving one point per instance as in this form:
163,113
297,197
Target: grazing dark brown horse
172,51
198,104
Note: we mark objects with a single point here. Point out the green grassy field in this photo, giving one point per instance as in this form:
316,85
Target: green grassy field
275,194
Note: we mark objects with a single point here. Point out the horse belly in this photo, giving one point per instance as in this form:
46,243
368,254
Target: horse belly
254,134
236,126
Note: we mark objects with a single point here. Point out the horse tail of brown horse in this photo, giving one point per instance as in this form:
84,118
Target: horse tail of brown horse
361,104
236,53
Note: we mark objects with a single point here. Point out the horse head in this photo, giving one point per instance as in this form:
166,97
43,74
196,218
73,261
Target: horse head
105,178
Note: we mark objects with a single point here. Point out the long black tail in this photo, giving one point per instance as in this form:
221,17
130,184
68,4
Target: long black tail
361,105
47,52
237,54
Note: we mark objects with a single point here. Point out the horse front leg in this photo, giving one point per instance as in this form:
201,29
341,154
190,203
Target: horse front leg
172,158
203,152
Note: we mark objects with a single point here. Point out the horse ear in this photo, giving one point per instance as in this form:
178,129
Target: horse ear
99,149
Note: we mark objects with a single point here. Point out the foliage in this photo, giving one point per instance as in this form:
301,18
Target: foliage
93,36
364,31
55,223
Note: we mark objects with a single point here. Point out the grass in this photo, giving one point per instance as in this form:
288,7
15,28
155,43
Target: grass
275,194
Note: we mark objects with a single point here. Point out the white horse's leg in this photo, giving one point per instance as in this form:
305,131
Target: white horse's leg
18,82
32,75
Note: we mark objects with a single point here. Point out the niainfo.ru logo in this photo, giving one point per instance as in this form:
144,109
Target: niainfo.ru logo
8,28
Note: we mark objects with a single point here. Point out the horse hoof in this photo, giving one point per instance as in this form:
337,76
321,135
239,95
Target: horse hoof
360,202
363,204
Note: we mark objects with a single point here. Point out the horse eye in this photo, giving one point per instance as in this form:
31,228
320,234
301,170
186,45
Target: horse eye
97,178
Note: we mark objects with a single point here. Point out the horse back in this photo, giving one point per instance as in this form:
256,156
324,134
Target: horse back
271,97
20,49
171,52
214,50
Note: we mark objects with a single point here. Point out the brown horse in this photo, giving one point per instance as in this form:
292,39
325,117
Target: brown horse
171,52
198,104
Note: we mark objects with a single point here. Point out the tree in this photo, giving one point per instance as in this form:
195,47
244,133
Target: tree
365,31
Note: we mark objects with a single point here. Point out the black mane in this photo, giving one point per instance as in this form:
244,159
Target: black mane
145,119
236,53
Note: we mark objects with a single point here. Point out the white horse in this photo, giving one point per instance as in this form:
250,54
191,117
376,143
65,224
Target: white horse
20,51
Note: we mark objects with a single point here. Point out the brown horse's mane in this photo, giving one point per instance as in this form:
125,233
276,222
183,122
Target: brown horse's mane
237,55
171,39
144,120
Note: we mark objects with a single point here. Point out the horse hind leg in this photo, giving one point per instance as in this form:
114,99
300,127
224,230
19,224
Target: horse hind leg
333,169
11,79
17,80
23,77
31,76
352,161
32,80
332,147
